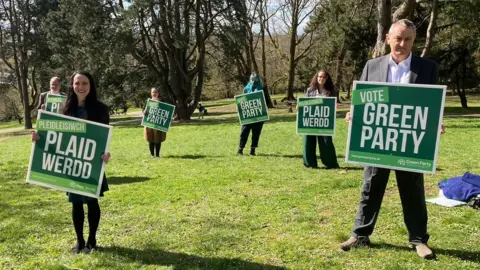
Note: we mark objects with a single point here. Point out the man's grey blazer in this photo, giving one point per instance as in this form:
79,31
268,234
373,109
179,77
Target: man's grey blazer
422,71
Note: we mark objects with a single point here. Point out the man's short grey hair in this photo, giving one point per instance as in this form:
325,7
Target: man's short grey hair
55,78
403,22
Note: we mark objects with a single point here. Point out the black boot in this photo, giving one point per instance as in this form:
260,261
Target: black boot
91,245
252,151
79,246
240,152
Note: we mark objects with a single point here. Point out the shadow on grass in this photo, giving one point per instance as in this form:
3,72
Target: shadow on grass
460,110
472,256
14,133
190,156
278,155
352,168
210,114
125,118
129,124
120,180
292,156
467,126
183,261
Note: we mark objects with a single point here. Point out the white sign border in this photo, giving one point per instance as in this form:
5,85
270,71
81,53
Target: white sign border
238,113
334,121
435,159
102,171
143,116
54,95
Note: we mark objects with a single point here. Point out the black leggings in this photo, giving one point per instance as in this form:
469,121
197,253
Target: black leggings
157,148
78,217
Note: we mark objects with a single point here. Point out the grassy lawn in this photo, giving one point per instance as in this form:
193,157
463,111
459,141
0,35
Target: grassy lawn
200,206
11,124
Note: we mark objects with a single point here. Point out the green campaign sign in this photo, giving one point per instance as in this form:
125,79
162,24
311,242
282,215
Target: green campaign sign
396,126
251,108
316,116
52,102
68,154
158,115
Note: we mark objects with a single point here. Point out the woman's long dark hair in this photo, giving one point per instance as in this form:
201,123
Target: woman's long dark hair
71,104
329,87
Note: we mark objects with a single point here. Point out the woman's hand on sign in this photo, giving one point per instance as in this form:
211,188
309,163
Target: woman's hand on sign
105,157
35,136
42,107
442,129
348,117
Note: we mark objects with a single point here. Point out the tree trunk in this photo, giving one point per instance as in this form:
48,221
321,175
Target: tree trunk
405,11
461,90
291,63
384,8
431,29
293,47
26,102
268,99
291,76
338,67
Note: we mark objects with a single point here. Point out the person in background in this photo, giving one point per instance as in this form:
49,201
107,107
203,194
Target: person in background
82,103
253,86
321,85
55,85
152,136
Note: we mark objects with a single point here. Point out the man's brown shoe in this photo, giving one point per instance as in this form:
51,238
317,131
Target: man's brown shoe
354,242
425,252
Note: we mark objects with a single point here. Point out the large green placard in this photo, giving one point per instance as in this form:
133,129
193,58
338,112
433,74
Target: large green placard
251,108
316,116
68,154
396,126
52,102
158,115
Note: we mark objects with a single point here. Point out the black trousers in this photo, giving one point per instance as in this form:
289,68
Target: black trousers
328,155
256,129
412,195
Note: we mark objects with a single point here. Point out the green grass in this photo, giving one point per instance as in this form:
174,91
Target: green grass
11,124
200,206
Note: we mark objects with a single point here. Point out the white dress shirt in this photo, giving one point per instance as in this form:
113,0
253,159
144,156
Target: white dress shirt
399,73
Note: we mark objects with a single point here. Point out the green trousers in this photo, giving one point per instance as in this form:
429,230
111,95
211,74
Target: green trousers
328,156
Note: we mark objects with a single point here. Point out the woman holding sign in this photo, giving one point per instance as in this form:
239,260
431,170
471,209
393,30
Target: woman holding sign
253,86
321,85
82,103
152,136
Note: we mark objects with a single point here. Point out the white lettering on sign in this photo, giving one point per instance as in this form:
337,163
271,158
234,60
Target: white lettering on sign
73,160
404,124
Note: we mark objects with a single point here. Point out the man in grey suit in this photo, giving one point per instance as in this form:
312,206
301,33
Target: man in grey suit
400,66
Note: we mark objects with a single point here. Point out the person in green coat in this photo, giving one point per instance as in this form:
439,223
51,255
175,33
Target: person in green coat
254,85
321,85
